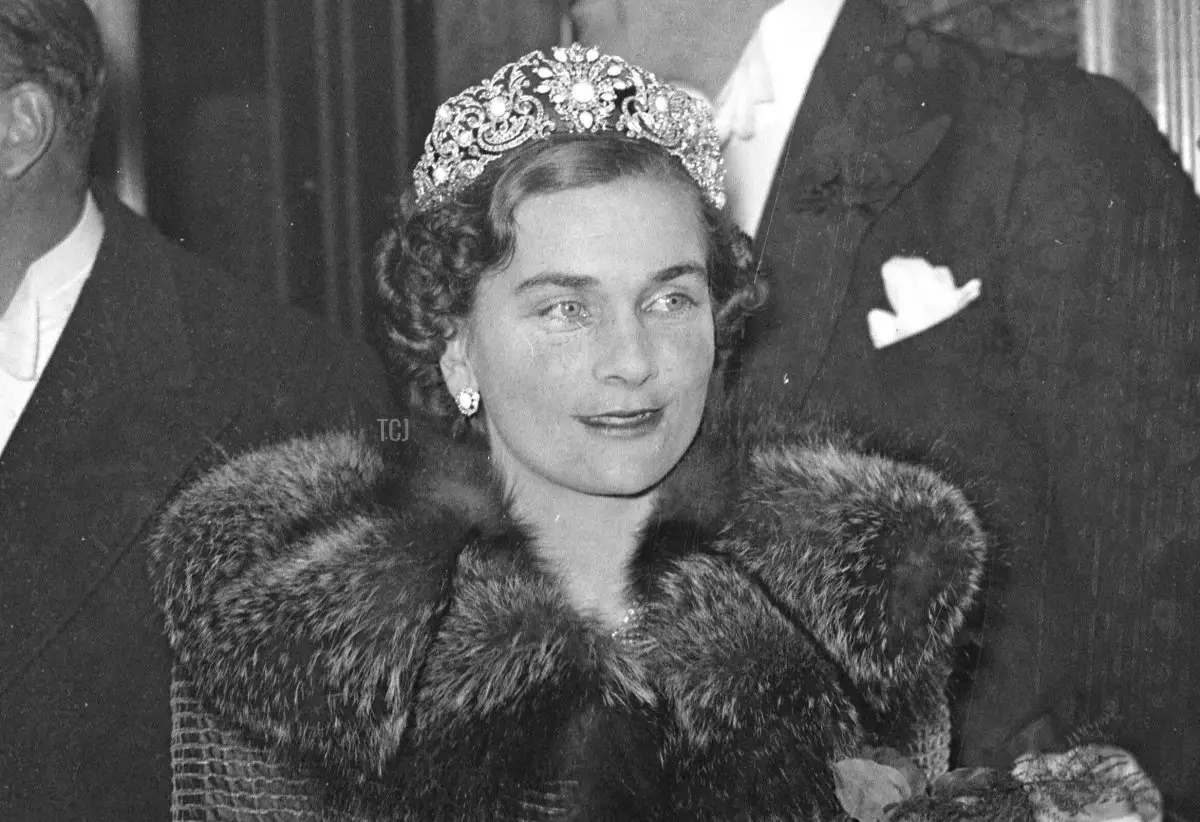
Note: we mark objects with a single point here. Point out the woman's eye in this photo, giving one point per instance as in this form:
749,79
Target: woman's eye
569,310
672,303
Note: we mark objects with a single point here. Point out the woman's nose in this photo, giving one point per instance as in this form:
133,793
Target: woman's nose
626,352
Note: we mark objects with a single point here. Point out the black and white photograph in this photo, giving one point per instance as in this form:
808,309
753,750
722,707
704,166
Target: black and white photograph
600,410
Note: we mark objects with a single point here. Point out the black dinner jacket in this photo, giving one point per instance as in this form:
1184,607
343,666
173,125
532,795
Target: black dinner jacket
165,365
1067,396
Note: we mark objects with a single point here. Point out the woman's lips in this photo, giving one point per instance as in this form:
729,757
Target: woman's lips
627,423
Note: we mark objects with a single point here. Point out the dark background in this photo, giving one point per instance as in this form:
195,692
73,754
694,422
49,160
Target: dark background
276,133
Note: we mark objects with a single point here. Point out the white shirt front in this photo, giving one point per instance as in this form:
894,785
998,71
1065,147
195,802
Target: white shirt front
39,312
759,103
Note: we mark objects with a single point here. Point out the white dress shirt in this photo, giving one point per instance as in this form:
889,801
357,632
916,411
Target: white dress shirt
34,320
760,101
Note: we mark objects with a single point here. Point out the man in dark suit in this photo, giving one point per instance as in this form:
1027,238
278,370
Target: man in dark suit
1055,365
126,364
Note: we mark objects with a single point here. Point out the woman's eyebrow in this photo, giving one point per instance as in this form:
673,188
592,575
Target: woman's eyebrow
557,279
560,279
674,272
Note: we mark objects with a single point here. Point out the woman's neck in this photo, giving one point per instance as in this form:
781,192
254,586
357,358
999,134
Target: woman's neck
588,540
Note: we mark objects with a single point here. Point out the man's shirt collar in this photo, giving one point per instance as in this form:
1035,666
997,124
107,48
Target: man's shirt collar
47,295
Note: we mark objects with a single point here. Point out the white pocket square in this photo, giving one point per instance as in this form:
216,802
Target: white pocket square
921,296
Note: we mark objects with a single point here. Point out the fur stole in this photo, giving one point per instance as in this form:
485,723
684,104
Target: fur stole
377,618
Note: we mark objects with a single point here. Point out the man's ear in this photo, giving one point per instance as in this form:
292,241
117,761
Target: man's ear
27,122
456,362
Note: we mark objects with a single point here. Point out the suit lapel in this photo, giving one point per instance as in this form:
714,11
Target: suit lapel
124,338
108,431
859,138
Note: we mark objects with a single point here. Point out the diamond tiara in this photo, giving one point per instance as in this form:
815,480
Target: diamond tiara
589,92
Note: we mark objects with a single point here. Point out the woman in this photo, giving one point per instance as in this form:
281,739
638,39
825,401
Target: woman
585,587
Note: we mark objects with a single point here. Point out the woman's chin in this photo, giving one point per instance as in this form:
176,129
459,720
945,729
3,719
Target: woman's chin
622,480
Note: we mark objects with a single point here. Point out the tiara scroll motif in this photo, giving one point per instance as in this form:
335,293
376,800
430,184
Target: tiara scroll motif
589,92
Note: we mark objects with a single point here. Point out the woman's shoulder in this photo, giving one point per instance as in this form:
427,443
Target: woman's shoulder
324,495
881,555
345,470
805,472
291,575
271,488
776,443
303,468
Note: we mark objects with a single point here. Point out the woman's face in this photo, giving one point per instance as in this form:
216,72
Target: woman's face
592,349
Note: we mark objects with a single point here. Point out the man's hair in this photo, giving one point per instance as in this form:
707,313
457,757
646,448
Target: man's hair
56,44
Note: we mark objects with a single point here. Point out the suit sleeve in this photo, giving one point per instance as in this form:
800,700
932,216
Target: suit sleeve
1103,271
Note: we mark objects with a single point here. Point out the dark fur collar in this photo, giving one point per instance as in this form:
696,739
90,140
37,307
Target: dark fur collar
384,619
453,470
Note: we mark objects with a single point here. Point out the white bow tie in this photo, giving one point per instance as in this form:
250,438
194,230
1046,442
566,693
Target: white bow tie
19,337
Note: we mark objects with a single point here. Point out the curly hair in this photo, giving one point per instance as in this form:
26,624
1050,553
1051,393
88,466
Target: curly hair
429,263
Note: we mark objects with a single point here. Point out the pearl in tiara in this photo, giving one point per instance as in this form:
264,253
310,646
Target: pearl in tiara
588,92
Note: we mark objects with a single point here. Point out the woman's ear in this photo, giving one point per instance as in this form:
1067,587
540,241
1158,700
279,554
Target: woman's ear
457,372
